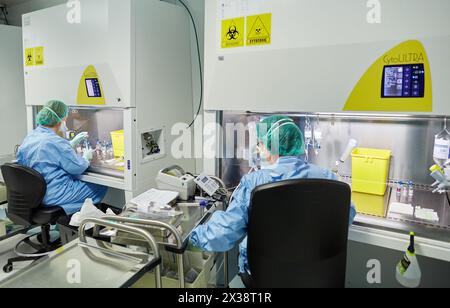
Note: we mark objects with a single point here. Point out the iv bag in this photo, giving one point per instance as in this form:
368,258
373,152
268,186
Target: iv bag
441,151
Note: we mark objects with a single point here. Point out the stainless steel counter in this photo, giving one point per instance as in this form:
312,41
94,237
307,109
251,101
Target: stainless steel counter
404,223
106,171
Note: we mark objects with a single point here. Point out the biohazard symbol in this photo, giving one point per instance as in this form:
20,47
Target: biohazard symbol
259,32
29,57
233,33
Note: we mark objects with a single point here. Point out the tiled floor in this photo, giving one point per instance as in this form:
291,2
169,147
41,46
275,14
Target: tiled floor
7,249
237,283
6,252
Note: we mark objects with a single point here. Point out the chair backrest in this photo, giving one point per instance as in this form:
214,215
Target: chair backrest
25,189
298,234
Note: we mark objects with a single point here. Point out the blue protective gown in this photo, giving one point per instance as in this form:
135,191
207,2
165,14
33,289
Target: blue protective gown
54,158
226,229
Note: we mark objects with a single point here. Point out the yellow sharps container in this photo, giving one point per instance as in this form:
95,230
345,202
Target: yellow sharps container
370,170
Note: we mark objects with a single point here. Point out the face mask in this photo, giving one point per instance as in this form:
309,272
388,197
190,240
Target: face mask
63,128
264,163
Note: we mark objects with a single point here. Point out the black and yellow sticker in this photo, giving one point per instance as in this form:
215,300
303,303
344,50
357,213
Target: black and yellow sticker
29,57
259,30
233,32
34,56
39,56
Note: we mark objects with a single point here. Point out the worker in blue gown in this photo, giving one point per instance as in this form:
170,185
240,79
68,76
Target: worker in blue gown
56,160
227,229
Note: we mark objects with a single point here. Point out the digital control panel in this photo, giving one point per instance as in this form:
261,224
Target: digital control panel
93,87
403,81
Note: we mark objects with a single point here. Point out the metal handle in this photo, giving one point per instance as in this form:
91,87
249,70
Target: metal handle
149,223
129,229
155,223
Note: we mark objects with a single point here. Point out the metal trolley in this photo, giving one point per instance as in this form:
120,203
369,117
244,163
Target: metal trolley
90,263
161,230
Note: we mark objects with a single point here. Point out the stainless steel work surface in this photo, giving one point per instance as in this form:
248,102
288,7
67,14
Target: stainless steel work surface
190,216
94,264
423,198
107,170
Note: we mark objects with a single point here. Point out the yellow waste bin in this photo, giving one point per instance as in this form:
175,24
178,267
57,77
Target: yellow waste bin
370,170
118,143
369,204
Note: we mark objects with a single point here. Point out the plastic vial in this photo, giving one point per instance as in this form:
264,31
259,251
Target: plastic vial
399,188
203,205
317,138
411,189
404,190
308,138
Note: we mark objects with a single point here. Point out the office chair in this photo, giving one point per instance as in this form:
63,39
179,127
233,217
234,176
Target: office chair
26,189
297,235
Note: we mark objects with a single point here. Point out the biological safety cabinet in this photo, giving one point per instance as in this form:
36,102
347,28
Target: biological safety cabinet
327,56
121,65
13,113
374,71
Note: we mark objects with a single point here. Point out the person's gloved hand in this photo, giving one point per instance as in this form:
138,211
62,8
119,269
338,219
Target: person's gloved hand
78,139
88,154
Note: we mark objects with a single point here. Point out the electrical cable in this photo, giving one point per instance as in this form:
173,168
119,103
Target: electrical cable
448,198
5,13
199,64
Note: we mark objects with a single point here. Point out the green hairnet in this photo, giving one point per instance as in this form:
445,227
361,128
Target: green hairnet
53,113
290,137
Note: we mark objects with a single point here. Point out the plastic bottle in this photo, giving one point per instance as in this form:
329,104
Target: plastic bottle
104,149
399,188
110,151
404,190
441,151
408,271
308,138
411,189
317,138
203,205
98,150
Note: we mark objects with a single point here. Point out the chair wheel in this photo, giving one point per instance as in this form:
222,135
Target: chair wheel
8,268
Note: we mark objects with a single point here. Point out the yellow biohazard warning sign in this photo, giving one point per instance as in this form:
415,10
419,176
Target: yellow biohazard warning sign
259,30
29,57
34,56
233,32
39,56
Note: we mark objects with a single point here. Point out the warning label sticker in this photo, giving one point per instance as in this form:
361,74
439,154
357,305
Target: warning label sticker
39,56
259,30
29,57
233,32
34,56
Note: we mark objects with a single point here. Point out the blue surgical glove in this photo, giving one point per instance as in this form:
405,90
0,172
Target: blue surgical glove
88,154
79,139
193,248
